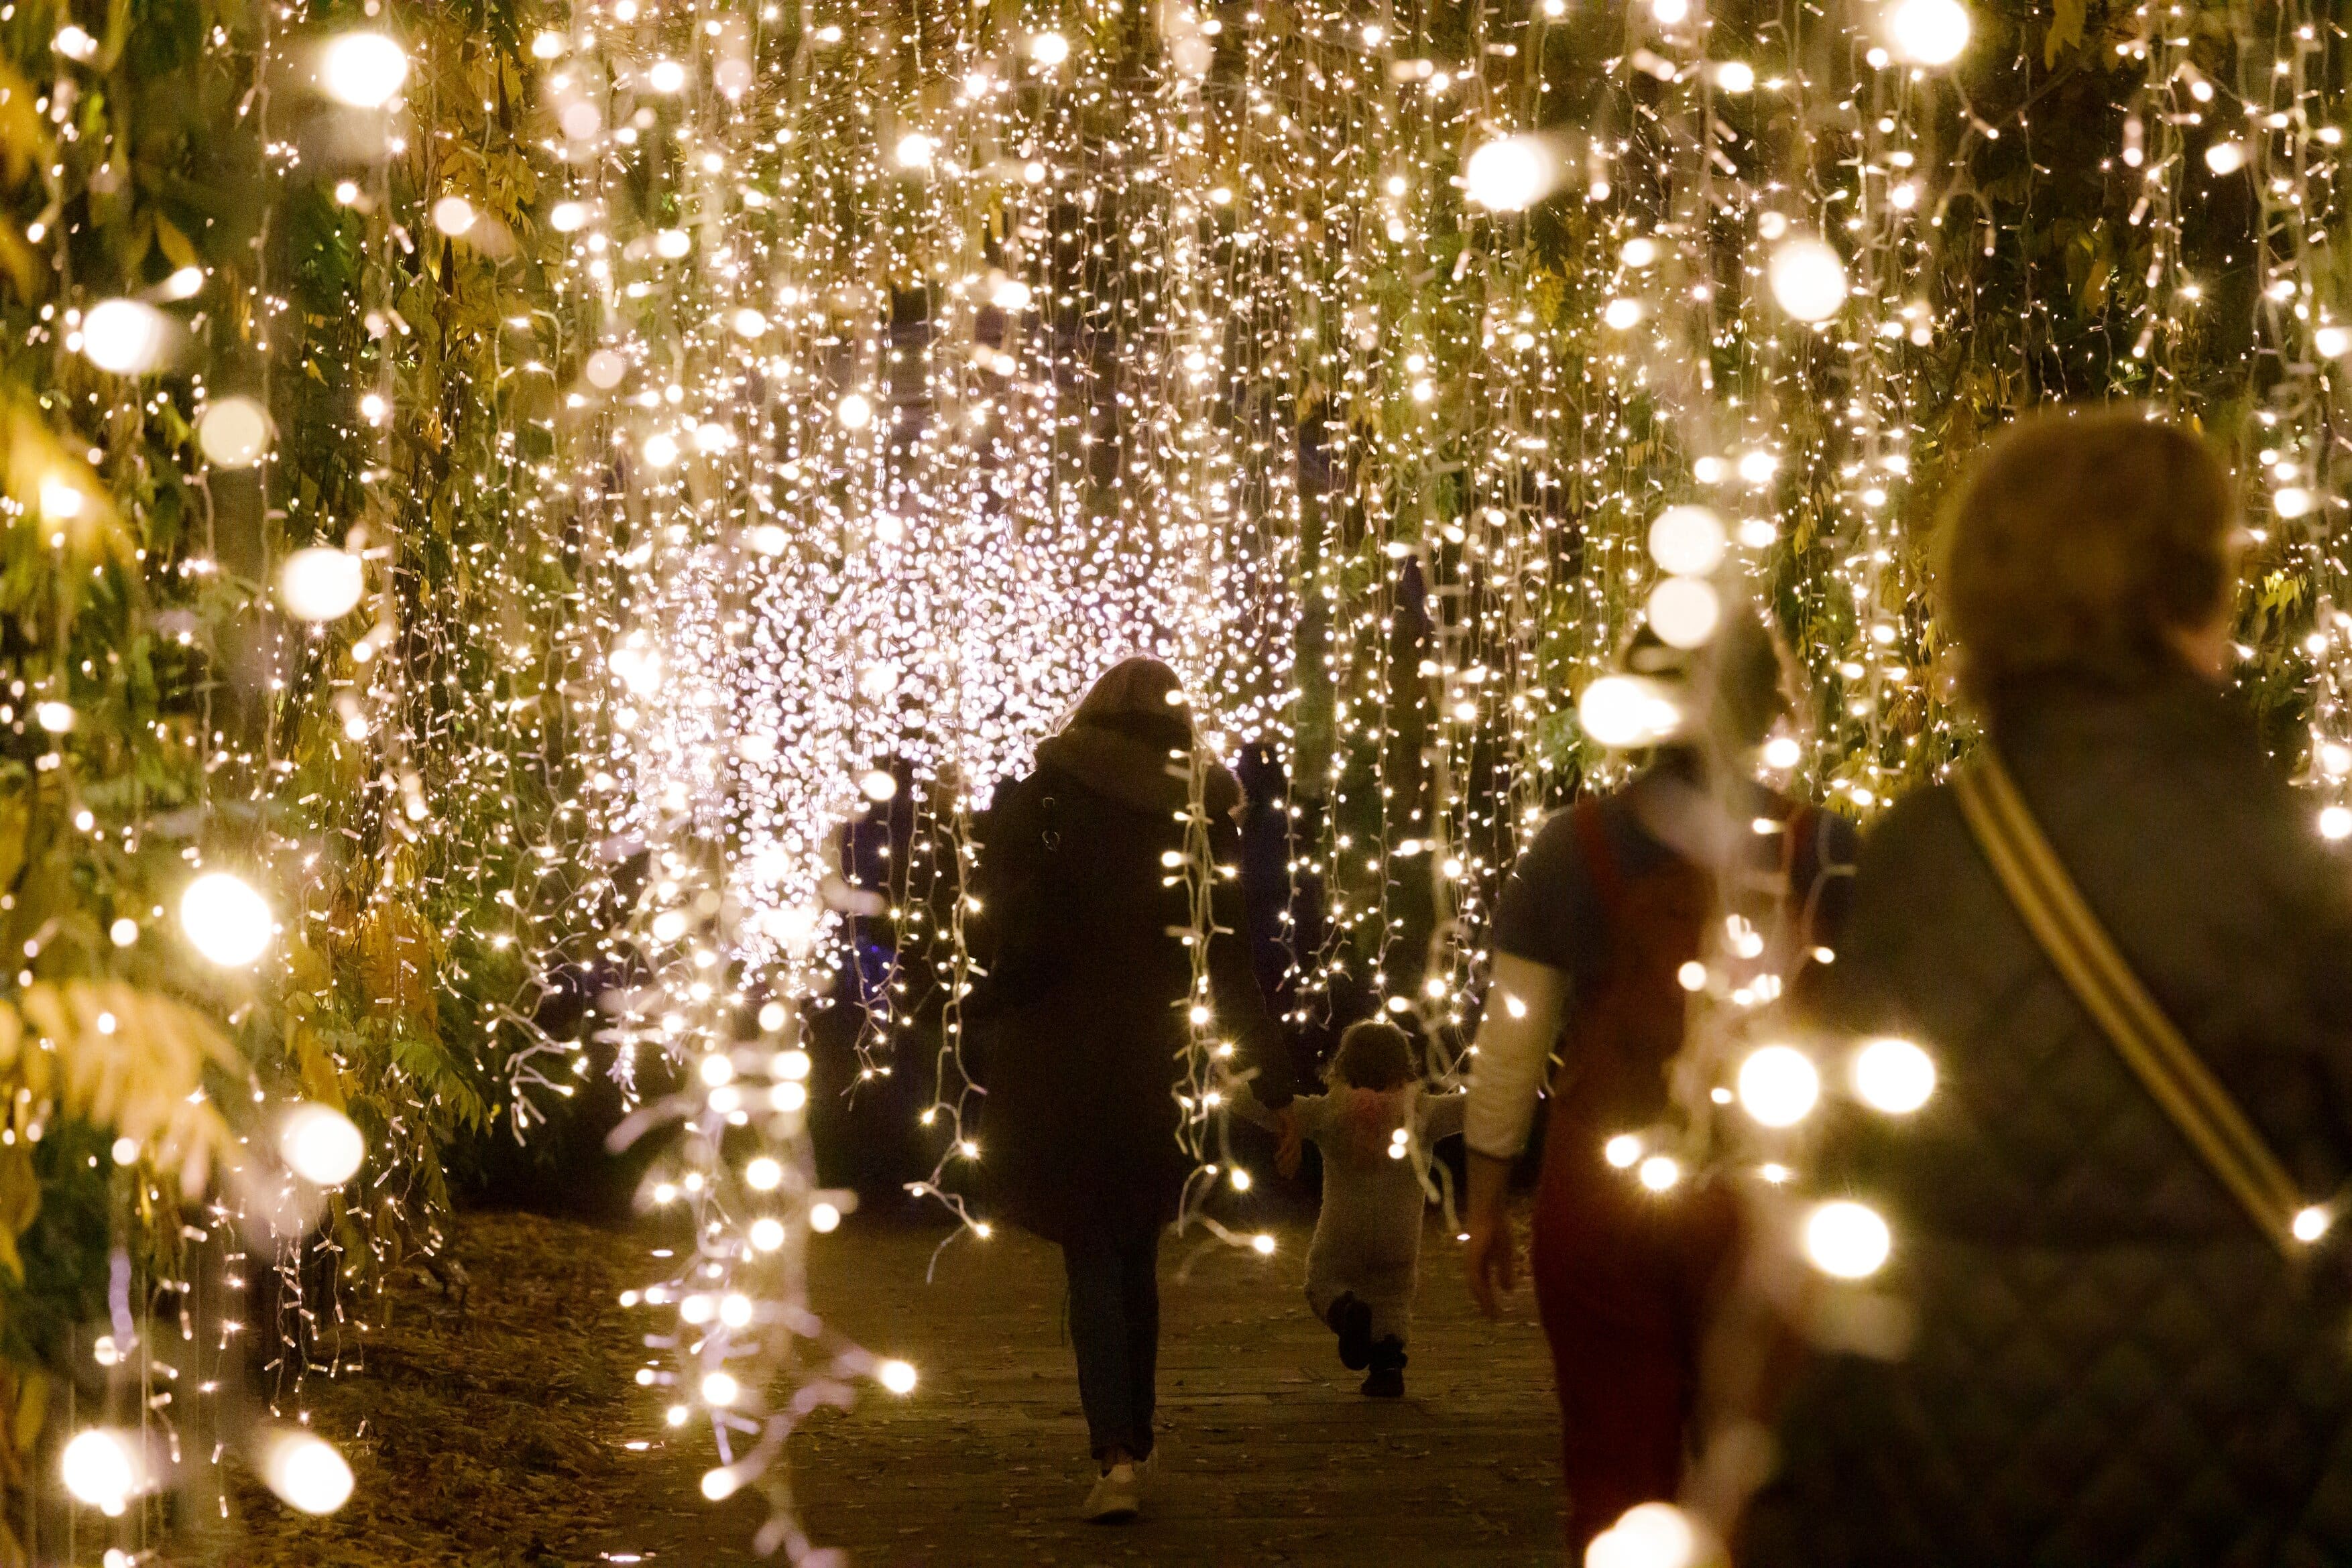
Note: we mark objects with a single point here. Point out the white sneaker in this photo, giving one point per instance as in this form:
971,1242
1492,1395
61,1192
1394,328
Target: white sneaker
1117,1497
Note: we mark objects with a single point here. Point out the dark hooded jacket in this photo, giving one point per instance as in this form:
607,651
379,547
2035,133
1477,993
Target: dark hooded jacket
1082,1016
2111,1368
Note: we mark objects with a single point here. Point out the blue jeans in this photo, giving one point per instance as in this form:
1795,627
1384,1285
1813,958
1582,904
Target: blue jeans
1115,1330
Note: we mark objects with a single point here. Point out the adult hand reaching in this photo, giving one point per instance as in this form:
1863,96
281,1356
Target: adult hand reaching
1491,1254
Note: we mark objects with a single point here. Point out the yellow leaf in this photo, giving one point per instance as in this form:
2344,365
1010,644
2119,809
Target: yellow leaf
177,250
2065,29
32,1410
316,1066
24,137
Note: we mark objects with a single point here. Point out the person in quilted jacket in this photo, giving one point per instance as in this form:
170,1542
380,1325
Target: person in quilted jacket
2108,1363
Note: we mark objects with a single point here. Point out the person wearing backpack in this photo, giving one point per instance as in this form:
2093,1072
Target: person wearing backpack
1595,925
2119,1222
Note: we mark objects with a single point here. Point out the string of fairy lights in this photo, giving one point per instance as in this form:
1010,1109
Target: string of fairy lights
858,383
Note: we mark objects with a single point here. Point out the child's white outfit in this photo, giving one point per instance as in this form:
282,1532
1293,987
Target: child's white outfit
1376,1152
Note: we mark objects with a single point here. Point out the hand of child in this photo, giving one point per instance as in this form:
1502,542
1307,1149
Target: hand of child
1290,1149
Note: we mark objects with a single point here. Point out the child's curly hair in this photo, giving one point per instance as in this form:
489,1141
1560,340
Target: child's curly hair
1373,1054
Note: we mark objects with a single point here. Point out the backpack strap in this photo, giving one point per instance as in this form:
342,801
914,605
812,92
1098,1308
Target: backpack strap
2167,1065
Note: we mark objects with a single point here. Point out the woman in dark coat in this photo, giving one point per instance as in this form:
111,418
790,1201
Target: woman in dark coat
2111,1368
1084,1020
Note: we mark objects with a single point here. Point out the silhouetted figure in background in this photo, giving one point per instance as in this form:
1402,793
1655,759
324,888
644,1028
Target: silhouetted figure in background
1082,1016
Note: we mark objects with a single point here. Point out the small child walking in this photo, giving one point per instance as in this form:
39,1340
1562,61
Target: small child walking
1375,1129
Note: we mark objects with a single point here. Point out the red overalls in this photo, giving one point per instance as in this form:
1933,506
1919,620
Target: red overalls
1623,1276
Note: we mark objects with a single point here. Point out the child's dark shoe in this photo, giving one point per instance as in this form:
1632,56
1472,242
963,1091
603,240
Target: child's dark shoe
1386,1380
1353,1322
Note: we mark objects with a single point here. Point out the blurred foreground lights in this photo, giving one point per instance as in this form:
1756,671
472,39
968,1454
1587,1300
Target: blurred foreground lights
1847,1240
185,284
1629,712
660,450
2310,1224
1010,294
2332,342
305,1470
1894,1076
763,1174
1621,313
453,215
320,583
823,1219
2226,157
749,323
1622,1150
74,43
1659,1173
1262,1244
61,499
877,785
363,70
1808,278
226,920
2336,824
321,1144
720,1484
124,932
768,1235
102,1468
1511,175
125,336
1929,32
1049,50
915,151
854,412
719,1388
1778,1085
1684,612
1735,77
665,77
1688,541
234,433
898,1377
1651,1535
57,718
